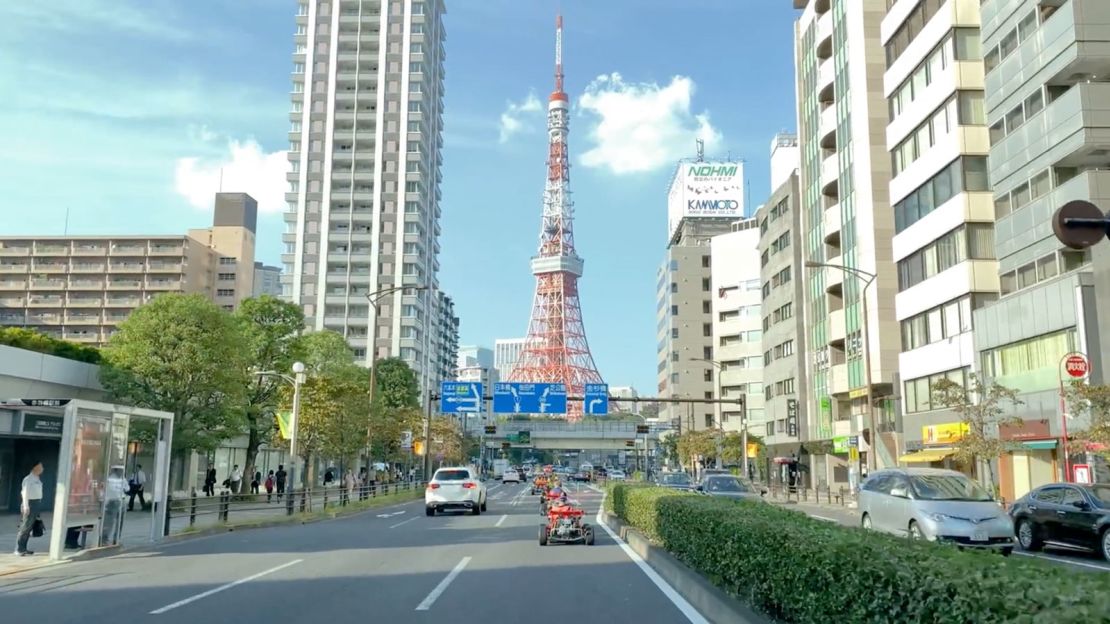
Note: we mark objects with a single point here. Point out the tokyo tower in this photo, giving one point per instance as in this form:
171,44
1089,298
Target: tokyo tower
555,350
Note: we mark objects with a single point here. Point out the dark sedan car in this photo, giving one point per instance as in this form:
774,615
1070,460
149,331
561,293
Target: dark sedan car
729,486
675,481
1072,514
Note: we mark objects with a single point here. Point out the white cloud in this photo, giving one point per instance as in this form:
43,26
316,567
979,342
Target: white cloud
245,167
642,127
514,119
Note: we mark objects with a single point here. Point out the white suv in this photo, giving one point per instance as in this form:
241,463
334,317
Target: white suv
455,488
511,475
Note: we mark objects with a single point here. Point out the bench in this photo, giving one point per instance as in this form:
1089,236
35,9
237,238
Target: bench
77,535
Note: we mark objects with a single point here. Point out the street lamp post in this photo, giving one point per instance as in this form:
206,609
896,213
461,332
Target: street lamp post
297,379
375,299
867,279
719,426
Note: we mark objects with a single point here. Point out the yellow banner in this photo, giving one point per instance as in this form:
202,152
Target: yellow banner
944,433
857,393
418,447
753,450
284,421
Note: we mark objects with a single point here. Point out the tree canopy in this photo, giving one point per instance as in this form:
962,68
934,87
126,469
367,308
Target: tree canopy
181,354
981,408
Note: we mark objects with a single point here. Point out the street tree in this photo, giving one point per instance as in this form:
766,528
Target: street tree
332,420
270,328
982,408
694,444
446,440
181,354
323,352
1092,400
395,385
395,409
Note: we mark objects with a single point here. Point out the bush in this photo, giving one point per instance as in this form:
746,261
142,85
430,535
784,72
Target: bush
798,569
40,343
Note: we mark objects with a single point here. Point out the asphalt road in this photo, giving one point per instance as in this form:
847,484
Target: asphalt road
1073,558
387,565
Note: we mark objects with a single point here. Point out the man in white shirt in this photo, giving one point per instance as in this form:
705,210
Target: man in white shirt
138,480
236,479
30,505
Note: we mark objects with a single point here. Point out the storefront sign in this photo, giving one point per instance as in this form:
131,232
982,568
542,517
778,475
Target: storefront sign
792,418
858,393
1082,473
840,444
945,433
42,425
1025,430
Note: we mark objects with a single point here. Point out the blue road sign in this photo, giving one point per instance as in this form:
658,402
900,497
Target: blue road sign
530,398
460,397
596,399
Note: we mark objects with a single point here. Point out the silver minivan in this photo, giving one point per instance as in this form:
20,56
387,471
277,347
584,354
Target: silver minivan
937,505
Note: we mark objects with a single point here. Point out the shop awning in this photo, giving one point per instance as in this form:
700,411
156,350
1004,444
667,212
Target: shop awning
925,457
1039,445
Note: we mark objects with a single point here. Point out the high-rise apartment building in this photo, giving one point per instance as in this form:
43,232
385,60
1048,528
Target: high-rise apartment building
1046,88
365,146
785,373
80,288
446,345
847,225
506,351
737,335
943,212
267,280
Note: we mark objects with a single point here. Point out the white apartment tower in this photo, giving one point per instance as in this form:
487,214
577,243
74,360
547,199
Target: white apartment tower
364,152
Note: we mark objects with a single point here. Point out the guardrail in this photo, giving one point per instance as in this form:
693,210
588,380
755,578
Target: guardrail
225,506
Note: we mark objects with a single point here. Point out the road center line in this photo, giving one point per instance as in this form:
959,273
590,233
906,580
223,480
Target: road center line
501,520
439,589
404,522
676,599
1062,560
181,603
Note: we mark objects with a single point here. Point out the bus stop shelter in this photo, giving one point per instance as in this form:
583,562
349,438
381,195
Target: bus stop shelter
92,475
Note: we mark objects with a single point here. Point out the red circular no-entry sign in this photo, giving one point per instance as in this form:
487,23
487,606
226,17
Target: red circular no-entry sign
1076,366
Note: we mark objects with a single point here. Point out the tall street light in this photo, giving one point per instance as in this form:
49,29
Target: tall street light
717,409
296,379
375,299
867,279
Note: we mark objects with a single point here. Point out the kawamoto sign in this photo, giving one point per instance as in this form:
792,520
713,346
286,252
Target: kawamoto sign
705,190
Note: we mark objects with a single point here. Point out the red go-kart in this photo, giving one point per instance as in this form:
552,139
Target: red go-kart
565,526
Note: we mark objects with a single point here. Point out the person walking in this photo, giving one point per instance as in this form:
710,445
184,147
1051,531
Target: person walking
29,507
256,481
236,479
270,486
138,481
115,490
280,478
210,481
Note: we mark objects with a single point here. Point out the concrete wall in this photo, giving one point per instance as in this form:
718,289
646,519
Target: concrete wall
29,375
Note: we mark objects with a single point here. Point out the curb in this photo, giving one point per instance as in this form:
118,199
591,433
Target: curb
104,553
712,602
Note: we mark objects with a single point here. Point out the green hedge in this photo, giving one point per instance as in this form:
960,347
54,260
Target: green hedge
33,341
798,569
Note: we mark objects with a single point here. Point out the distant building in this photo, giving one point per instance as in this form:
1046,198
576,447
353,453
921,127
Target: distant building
623,392
445,343
506,351
267,280
80,288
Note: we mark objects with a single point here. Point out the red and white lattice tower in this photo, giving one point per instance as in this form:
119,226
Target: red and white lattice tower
556,350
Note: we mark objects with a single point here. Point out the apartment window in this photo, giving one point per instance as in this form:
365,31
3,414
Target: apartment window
705,284
706,307
674,288
225,292
1010,41
707,353
225,277
908,31
780,210
705,262
417,48
1029,364
707,329
674,310
227,261
674,332
919,392
416,68
1024,193
708,376
945,252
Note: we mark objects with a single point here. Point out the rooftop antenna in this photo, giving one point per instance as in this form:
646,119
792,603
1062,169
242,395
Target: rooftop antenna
559,53
65,230
701,150
221,180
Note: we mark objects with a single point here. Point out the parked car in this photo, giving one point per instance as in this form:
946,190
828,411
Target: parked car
937,505
729,486
458,488
1072,514
675,481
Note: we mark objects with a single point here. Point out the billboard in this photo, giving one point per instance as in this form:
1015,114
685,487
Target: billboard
705,189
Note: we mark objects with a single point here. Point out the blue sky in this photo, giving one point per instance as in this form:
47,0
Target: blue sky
125,111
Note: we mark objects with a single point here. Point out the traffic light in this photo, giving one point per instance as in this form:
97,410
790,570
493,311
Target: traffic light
506,445
630,443
491,429
642,429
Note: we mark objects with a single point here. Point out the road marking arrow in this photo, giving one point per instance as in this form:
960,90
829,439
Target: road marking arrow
390,515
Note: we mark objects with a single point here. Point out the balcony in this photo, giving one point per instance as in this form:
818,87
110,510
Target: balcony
89,250
12,302
125,267
830,175
44,319
123,302
12,319
87,268
834,277
165,267
82,319
84,302
832,225
45,302
114,319
826,128
124,285
51,250
15,250
128,250
167,250
86,284
50,267
48,284
163,285
14,268
13,284
838,379
837,329
83,337
826,78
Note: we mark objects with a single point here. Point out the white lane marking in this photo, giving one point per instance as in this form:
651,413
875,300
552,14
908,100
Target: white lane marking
403,522
676,599
1084,564
501,520
390,515
439,589
181,603
826,519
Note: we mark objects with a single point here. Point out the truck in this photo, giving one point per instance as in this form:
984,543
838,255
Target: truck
499,467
